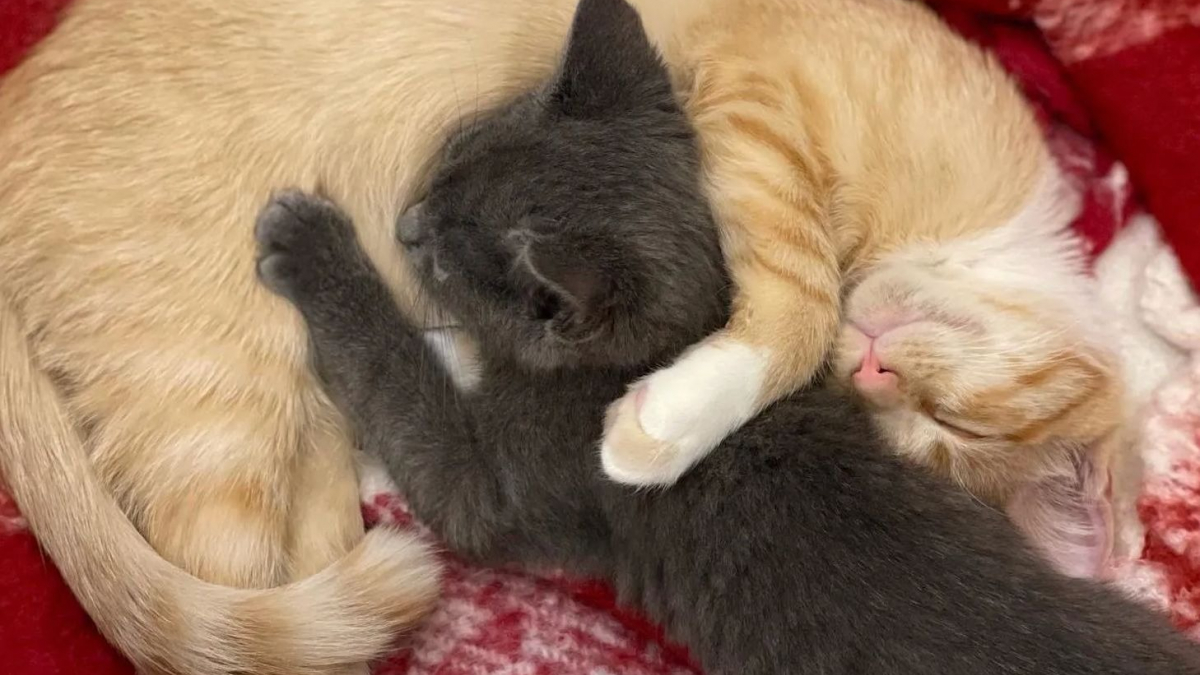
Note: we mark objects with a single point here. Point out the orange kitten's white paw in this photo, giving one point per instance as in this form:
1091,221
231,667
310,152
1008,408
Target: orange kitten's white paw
676,416
628,454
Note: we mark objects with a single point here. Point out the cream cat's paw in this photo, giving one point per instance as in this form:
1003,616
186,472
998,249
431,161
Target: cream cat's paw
672,419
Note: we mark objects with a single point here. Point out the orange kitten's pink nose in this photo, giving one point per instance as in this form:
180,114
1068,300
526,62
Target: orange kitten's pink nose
874,381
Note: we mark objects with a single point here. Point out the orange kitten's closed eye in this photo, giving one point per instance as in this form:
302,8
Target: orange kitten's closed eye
992,383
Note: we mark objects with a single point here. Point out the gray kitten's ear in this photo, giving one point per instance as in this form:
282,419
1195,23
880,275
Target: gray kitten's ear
564,286
609,62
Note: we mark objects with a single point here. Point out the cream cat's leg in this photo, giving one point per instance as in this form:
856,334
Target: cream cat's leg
325,520
211,488
785,317
198,435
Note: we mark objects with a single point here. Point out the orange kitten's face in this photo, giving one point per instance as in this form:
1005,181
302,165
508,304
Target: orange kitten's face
972,376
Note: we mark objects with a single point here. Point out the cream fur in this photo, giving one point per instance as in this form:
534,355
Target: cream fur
136,145
165,619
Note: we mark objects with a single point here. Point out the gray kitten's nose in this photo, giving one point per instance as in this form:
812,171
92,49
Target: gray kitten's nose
409,229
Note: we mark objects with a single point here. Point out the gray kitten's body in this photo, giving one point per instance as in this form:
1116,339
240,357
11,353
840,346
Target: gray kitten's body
569,234
799,546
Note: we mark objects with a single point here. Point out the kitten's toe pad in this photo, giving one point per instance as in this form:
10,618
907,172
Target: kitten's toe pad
299,236
675,417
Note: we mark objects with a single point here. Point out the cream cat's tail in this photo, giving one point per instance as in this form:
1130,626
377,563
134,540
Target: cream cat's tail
163,619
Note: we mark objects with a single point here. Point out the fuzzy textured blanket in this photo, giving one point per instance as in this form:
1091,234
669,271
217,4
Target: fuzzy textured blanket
1117,86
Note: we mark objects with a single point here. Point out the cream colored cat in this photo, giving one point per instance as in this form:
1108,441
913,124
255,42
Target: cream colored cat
136,145
861,147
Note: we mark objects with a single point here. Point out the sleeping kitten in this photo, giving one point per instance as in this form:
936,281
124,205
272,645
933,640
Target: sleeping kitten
861,150
983,359
570,235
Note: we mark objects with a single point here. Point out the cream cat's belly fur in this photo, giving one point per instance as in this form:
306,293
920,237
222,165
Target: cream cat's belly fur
136,146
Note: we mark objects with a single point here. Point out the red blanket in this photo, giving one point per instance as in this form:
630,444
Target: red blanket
1117,85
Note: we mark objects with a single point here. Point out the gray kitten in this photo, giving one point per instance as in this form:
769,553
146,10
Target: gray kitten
569,233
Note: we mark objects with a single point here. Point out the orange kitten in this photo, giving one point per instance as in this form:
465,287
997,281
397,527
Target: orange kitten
861,145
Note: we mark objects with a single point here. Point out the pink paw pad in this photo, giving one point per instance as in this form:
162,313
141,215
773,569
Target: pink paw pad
639,399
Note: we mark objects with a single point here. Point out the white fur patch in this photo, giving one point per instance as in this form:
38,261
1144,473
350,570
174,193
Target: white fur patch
1052,206
463,370
1037,252
1121,272
1035,247
373,477
709,393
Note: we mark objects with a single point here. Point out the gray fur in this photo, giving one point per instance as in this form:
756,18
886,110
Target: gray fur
569,233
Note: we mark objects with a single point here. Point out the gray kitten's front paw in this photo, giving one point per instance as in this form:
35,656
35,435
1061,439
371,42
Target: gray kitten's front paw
302,240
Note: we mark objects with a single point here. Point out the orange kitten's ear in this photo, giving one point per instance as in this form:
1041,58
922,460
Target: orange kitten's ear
1068,517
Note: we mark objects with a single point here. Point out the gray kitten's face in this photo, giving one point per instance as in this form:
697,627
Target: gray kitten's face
570,227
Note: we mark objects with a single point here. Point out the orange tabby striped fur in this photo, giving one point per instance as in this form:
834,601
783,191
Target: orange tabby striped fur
843,139
832,131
